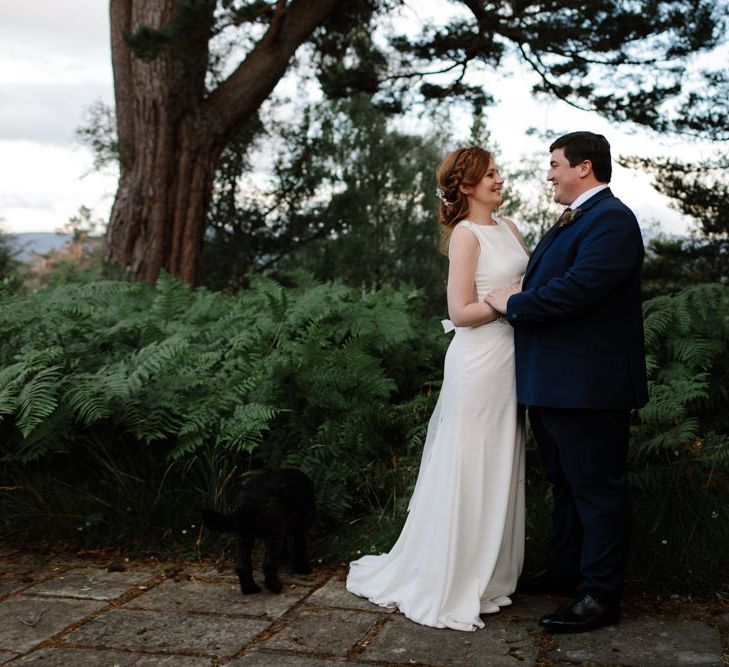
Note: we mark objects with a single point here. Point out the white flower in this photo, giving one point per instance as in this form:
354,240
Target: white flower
440,193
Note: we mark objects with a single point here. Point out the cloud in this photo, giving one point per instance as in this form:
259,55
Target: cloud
47,113
42,186
54,42
73,26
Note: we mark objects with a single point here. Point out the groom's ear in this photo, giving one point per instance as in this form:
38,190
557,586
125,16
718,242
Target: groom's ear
585,168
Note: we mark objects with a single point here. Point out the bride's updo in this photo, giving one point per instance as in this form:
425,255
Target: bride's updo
464,166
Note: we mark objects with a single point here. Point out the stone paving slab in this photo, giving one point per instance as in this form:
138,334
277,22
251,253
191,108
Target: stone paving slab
159,631
335,594
288,578
201,614
529,608
7,656
27,621
86,657
91,584
499,644
213,572
325,631
216,598
271,659
644,641
17,576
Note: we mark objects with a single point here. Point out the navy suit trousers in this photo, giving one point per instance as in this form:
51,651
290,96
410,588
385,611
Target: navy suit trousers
584,454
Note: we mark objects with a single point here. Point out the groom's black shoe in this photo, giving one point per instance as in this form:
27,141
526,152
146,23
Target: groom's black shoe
543,582
585,614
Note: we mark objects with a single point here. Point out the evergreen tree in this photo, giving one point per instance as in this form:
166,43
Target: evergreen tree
381,213
701,191
175,119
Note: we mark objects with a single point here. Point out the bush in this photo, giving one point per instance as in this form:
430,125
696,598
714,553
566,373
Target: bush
126,407
680,441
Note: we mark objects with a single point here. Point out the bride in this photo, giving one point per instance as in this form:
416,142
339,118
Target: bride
462,546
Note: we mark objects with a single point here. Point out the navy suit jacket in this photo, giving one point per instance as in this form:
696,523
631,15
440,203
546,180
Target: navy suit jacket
578,322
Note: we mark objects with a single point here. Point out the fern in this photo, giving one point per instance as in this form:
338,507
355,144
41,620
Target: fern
88,398
680,442
38,399
275,375
160,397
11,379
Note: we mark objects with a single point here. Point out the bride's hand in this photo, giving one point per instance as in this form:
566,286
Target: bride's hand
497,298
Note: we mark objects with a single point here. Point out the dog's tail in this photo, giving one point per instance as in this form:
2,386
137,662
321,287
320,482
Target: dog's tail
217,522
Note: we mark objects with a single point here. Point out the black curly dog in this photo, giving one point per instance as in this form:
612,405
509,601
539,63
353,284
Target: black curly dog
272,505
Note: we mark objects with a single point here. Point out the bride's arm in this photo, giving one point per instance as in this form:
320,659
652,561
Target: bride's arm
463,252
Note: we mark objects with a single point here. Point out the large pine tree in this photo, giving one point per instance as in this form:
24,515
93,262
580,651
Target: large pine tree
622,58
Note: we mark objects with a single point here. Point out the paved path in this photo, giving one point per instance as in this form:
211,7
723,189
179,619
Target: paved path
77,613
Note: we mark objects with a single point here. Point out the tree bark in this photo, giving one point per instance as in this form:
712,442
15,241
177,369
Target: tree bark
171,135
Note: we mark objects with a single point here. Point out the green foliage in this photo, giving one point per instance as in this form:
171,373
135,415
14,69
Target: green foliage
618,58
350,199
8,262
680,439
382,212
98,134
166,395
124,408
671,264
701,191
193,21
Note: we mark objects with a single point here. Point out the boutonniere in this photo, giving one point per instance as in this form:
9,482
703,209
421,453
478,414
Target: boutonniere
569,216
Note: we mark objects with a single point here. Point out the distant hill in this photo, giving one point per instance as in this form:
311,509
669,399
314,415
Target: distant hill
37,242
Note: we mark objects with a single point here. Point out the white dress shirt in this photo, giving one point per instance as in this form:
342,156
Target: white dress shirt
587,194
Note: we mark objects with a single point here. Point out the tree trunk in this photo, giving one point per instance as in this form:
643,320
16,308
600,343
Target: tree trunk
171,135
158,218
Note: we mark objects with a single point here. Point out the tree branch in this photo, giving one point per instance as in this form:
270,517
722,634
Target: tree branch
277,22
538,67
414,75
241,94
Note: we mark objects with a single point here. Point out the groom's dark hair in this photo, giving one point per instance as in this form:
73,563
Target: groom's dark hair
579,146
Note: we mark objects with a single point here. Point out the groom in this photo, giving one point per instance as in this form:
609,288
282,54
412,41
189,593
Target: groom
580,368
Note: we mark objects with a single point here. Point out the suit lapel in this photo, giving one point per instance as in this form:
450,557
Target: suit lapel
542,246
548,239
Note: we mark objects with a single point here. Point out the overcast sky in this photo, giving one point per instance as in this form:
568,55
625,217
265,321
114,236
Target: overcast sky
55,62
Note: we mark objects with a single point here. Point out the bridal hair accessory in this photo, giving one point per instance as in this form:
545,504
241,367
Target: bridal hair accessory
439,192
568,216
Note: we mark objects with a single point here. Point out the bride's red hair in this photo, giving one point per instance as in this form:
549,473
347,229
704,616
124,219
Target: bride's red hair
463,166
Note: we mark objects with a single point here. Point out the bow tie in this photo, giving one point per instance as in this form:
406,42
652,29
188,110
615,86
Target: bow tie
568,216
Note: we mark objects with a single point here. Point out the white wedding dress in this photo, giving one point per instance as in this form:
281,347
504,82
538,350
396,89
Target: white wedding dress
462,546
